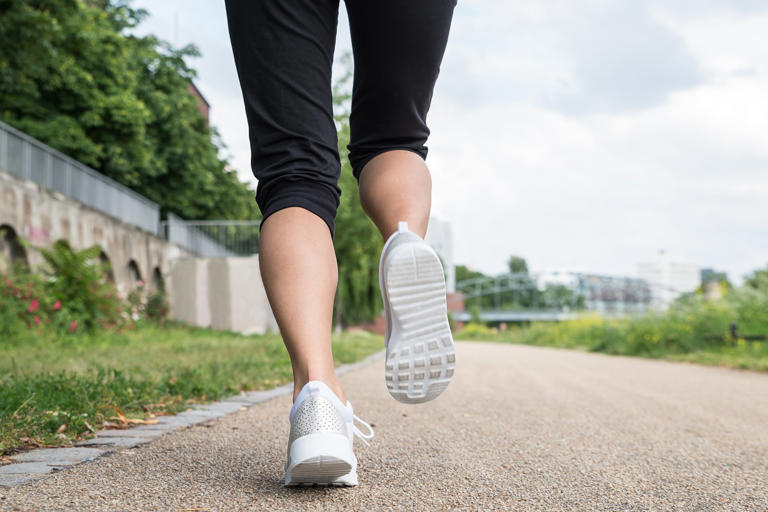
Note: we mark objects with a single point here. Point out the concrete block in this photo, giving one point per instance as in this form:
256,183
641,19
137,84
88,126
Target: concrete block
176,422
37,468
189,282
238,301
58,456
131,432
197,417
159,428
11,479
122,442
222,407
241,400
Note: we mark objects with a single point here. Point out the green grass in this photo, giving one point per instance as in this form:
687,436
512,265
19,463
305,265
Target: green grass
53,391
687,336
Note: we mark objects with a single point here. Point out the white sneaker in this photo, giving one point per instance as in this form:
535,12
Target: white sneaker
421,357
320,442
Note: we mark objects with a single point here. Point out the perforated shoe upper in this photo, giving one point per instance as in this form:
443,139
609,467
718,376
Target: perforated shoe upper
316,414
318,409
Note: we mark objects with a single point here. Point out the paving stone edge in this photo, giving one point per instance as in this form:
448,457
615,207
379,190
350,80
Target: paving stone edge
33,465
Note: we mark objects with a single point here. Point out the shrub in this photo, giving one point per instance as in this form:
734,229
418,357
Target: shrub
72,295
157,307
26,305
475,330
78,280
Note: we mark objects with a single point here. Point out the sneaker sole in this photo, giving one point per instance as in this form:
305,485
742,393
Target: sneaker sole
421,357
322,471
322,459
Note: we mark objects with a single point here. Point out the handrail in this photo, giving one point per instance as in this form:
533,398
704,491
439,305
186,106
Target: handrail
29,159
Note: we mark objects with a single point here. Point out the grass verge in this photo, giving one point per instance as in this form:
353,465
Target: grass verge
54,391
685,337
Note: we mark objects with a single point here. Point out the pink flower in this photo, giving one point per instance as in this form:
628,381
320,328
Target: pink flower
33,305
57,305
37,320
73,326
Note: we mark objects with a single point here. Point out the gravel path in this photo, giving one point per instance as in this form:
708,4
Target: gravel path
519,428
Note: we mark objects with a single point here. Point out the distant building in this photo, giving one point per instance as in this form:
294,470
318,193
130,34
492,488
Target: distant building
713,283
669,278
440,237
615,294
202,104
710,275
601,293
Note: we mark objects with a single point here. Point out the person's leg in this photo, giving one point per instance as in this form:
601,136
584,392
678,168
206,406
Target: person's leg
284,53
398,47
396,186
298,267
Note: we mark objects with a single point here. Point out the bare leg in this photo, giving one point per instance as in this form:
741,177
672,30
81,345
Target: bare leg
396,186
298,267
298,264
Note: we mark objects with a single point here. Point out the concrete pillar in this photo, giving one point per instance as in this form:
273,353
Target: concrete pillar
222,293
237,296
189,292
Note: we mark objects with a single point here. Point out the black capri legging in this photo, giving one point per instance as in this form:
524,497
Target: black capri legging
284,53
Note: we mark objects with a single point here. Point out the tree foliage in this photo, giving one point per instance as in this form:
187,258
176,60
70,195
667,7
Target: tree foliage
517,265
73,76
757,280
357,241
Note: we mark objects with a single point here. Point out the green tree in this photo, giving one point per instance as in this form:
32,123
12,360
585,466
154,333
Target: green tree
517,265
757,280
463,273
357,242
73,76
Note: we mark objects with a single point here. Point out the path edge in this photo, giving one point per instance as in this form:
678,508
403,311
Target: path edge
31,466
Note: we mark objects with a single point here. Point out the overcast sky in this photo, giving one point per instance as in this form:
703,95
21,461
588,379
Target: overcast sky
580,134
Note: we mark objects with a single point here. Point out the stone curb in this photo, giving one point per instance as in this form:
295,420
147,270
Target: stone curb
30,466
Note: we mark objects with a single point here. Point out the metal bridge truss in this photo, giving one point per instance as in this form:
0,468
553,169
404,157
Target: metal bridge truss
560,292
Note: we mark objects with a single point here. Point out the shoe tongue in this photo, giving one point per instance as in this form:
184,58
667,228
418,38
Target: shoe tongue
314,388
317,388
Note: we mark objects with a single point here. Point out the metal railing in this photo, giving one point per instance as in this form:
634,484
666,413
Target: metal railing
213,239
30,159
564,291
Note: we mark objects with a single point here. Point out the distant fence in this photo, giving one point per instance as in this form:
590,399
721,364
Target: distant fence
212,239
30,159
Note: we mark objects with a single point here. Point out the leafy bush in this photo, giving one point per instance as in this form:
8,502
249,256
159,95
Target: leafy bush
71,295
691,324
78,280
26,305
474,330
157,307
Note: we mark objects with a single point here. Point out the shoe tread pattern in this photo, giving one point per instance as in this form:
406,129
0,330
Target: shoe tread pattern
421,357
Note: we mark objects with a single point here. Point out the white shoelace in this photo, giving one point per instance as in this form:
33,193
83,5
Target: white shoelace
363,437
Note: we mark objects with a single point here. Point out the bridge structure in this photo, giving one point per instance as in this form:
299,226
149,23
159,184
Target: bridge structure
551,296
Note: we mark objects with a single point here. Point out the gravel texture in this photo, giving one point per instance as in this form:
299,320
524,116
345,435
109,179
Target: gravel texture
519,428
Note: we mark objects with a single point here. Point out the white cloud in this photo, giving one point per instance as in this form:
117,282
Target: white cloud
582,134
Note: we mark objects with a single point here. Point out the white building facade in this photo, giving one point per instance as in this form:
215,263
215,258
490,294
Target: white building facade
440,238
669,277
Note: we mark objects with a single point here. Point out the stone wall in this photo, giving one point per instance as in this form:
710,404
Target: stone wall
41,217
222,293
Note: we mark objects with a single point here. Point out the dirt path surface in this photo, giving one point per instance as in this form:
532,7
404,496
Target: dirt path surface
519,428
